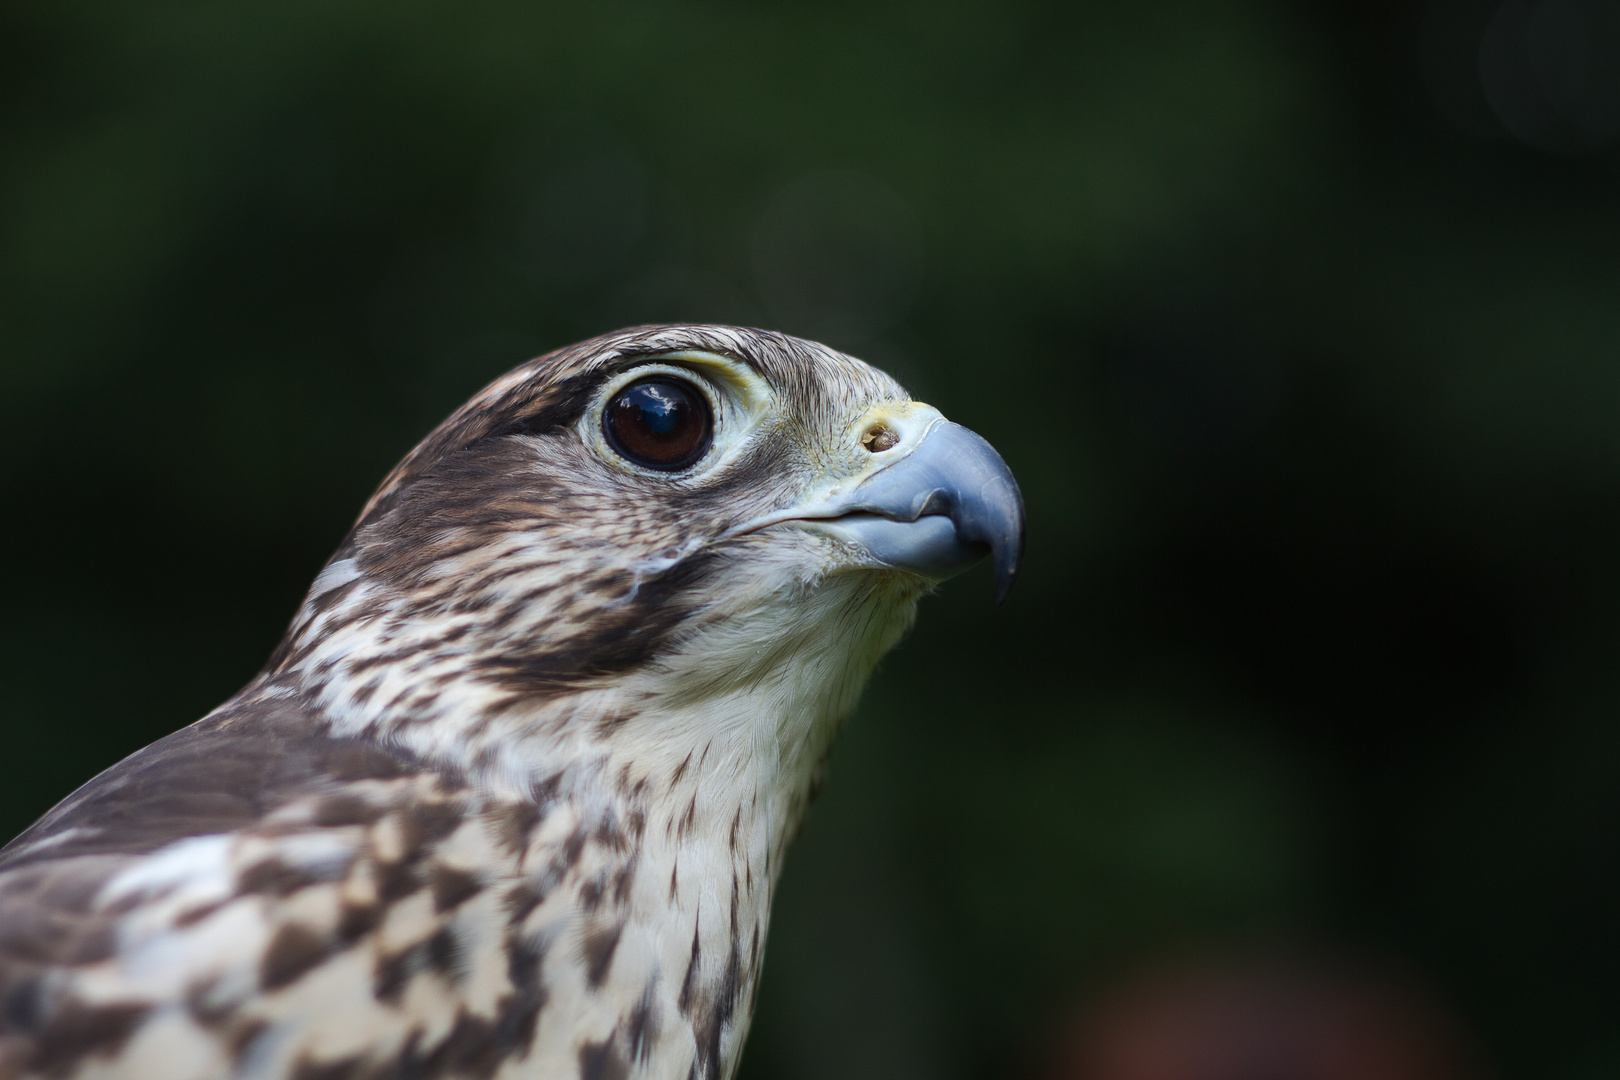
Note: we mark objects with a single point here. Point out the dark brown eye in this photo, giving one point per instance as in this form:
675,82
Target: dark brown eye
660,422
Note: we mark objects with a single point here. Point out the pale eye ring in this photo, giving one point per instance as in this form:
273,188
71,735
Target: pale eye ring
659,422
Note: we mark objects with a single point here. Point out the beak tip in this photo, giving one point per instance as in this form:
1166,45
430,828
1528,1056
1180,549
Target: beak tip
1003,590
1006,575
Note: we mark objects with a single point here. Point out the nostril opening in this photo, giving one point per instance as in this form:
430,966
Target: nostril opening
880,437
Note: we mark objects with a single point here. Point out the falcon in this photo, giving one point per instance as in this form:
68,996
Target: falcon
511,797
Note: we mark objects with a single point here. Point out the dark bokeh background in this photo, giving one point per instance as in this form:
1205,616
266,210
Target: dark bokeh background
1300,324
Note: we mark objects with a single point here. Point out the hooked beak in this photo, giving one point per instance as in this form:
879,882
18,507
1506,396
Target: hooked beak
935,511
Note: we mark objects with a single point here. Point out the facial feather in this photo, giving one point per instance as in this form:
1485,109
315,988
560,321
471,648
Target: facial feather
508,581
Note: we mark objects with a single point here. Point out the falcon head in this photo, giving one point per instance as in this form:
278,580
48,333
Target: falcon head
514,790
723,527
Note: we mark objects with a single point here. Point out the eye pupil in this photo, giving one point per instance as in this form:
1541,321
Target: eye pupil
660,414
659,422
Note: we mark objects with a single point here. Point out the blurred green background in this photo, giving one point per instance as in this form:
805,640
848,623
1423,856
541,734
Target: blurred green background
1299,323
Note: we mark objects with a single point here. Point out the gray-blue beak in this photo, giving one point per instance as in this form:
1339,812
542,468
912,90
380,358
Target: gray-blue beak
944,506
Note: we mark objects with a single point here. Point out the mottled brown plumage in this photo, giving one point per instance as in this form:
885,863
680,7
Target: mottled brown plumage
511,795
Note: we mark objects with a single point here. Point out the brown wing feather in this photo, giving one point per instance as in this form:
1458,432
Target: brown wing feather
220,775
